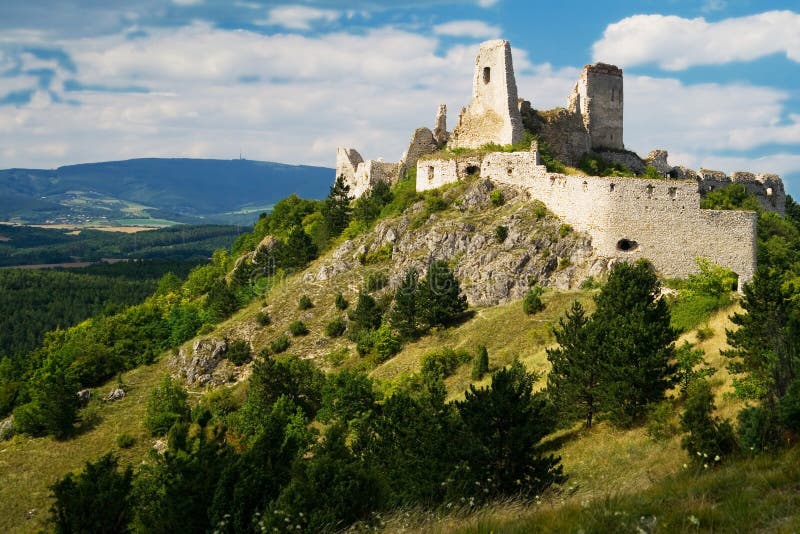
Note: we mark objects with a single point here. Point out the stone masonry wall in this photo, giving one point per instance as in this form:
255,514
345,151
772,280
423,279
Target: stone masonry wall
492,115
767,188
599,97
627,218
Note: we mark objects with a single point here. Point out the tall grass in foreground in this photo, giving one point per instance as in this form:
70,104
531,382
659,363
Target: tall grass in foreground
748,495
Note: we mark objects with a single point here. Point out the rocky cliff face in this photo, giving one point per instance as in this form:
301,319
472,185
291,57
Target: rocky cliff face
537,248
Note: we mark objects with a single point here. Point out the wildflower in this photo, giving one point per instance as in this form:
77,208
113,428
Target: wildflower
717,458
685,466
693,520
705,466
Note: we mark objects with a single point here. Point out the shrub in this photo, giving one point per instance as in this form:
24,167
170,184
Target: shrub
165,407
661,421
385,343
496,198
336,327
442,363
239,352
125,441
589,283
532,302
305,303
539,210
480,365
279,344
758,429
501,233
378,255
434,201
652,172
298,328
709,438
376,280
340,302
440,299
705,332
563,263
263,318
691,366
564,230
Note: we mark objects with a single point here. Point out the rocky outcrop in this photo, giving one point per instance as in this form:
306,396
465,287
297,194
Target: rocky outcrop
115,395
537,248
7,428
198,365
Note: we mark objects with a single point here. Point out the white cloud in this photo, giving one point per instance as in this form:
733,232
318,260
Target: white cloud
467,28
710,6
187,2
299,17
295,98
676,43
487,3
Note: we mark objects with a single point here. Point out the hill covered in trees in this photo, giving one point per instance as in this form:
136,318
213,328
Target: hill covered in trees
155,191
314,377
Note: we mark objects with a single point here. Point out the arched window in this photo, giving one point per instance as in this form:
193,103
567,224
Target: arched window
487,74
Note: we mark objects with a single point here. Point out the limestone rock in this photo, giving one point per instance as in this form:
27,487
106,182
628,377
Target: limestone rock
160,446
84,396
202,360
7,428
115,394
658,159
440,129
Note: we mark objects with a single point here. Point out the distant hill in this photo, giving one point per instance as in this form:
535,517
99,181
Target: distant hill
158,190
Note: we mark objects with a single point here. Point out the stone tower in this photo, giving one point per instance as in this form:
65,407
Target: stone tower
493,114
598,98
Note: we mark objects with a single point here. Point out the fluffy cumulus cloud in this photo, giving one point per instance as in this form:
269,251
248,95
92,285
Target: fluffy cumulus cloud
203,91
676,43
299,17
476,29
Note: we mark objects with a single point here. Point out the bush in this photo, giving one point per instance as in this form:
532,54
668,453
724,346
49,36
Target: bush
125,441
564,230
589,283
709,438
376,280
442,363
480,366
96,500
539,210
532,302
298,328
263,318
661,423
501,233
279,344
691,366
652,172
704,332
385,343
239,352
165,407
340,302
496,198
336,327
378,255
305,303
758,430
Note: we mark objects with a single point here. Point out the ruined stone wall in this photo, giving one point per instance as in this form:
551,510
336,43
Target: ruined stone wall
493,115
347,161
598,96
422,143
627,218
433,173
661,220
767,188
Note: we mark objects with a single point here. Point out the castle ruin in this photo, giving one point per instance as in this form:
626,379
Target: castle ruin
627,218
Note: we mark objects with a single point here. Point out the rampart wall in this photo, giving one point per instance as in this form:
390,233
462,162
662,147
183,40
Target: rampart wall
627,218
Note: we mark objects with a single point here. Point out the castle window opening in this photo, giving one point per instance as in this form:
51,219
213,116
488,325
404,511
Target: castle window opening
430,173
611,187
627,245
769,191
487,74
673,191
510,171
473,170
650,189
585,185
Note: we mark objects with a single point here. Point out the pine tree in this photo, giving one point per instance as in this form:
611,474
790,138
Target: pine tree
576,373
505,422
635,341
298,250
337,207
366,316
481,364
404,314
440,299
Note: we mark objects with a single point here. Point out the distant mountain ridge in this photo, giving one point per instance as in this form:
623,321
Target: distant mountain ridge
155,189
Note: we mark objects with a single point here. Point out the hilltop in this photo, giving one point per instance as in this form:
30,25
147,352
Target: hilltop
155,192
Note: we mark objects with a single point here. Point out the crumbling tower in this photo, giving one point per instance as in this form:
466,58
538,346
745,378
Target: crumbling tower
598,98
493,114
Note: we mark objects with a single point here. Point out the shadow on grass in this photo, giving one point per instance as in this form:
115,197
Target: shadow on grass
557,442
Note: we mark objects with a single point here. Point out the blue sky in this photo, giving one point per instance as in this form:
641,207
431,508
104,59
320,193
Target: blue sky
715,82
